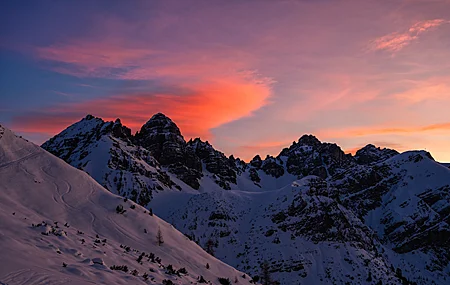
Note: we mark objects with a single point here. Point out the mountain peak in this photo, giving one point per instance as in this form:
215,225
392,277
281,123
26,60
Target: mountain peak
160,124
370,153
160,117
309,140
89,117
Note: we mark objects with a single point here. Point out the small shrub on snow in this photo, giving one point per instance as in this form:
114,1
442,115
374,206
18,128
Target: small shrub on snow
170,270
123,268
224,281
120,210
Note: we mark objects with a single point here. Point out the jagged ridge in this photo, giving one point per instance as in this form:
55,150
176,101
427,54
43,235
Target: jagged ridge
355,204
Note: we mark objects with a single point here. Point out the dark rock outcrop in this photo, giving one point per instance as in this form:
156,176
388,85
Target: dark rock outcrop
372,154
216,162
311,157
273,166
120,131
256,161
163,139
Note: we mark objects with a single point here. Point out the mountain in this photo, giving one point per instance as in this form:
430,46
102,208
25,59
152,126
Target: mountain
58,225
316,214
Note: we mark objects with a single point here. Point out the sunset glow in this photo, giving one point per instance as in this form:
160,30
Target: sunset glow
248,76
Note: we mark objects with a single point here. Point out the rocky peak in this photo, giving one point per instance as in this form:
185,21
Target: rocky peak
159,129
372,154
89,117
120,131
256,161
309,140
162,137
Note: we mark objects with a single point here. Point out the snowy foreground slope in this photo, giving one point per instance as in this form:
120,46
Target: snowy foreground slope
59,226
316,214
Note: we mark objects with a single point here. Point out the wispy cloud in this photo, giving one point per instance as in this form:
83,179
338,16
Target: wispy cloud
395,42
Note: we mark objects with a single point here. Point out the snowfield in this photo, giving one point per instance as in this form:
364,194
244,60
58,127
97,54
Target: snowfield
59,226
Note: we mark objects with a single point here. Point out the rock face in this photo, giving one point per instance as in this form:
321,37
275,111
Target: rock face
316,214
215,162
372,154
163,139
273,166
311,157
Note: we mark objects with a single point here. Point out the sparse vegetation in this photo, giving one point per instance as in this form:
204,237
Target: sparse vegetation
123,268
224,281
159,237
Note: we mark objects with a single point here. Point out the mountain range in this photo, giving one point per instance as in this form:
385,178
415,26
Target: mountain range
315,214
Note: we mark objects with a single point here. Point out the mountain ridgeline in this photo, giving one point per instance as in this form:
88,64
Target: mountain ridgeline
160,144
314,213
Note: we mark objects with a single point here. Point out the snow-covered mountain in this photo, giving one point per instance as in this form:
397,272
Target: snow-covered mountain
316,214
59,226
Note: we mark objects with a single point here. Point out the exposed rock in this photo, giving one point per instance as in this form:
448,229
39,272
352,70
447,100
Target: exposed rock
371,154
254,176
163,139
120,131
273,166
215,162
311,157
256,161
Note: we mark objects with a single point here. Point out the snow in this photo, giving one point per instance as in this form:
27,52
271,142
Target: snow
47,208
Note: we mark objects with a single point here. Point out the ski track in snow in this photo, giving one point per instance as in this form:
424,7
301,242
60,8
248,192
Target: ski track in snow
21,159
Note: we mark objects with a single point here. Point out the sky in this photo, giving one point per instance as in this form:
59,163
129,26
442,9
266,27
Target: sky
250,76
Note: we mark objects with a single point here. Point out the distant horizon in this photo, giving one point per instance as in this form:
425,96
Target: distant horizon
247,76
246,159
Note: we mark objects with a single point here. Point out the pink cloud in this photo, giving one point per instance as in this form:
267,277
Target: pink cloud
397,41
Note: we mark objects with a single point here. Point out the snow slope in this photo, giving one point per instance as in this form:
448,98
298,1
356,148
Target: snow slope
57,225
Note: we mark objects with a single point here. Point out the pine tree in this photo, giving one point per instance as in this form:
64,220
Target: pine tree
265,274
210,247
159,237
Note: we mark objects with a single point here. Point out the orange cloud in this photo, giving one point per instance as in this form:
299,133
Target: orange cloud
197,110
396,41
